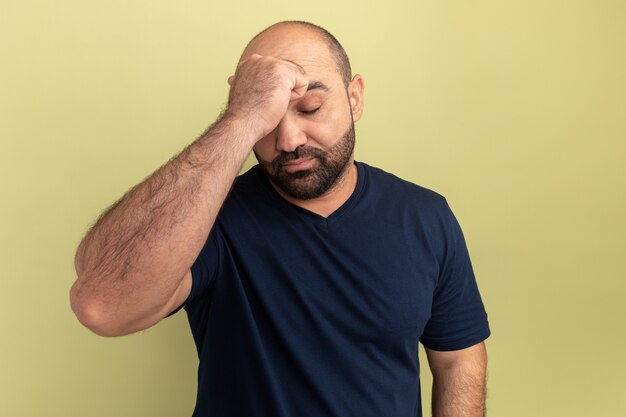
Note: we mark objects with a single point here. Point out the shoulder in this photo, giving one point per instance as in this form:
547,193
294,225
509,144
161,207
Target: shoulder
389,188
247,187
247,181
413,212
250,197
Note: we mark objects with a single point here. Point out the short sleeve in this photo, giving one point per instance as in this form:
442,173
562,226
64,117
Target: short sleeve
204,268
458,318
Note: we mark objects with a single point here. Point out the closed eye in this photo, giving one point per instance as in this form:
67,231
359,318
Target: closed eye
309,112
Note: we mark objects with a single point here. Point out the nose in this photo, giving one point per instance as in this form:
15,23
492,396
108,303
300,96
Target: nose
289,135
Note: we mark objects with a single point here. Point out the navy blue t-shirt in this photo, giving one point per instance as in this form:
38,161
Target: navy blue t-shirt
297,315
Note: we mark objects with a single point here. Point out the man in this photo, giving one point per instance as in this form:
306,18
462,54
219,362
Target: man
309,280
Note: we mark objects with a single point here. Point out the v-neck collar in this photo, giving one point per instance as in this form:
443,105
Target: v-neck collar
309,215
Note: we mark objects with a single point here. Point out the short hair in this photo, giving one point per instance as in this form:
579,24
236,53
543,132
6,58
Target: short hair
339,54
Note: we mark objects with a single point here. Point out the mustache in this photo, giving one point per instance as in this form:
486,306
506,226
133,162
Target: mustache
301,152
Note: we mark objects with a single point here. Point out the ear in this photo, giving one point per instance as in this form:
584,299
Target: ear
355,95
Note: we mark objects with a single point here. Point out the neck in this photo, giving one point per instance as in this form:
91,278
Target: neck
334,198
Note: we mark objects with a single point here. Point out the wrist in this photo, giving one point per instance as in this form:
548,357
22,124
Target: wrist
241,127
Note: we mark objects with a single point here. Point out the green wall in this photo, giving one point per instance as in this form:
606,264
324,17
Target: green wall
514,110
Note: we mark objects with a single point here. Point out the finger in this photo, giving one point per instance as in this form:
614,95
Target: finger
300,86
300,80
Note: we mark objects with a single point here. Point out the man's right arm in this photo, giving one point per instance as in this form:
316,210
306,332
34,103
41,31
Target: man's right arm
134,265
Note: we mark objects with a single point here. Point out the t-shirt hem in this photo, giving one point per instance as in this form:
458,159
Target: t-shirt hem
446,346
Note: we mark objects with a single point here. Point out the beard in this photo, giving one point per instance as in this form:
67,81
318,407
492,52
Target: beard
314,182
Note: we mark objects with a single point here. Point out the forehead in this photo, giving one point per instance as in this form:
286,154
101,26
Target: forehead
298,45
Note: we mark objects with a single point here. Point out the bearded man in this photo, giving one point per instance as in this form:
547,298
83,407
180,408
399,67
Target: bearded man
309,280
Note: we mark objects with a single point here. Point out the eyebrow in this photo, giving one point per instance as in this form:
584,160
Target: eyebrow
317,85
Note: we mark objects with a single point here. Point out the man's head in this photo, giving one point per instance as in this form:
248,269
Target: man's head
311,149
338,53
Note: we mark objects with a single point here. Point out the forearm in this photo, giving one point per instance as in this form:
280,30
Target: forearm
459,381
459,391
137,253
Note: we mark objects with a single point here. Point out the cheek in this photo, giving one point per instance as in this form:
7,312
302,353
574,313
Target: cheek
329,127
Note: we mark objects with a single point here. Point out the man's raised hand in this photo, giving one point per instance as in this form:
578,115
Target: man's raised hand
261,90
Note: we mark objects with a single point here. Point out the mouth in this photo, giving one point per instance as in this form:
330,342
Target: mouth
298,164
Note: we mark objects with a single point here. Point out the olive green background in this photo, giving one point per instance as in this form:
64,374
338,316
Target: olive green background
514,110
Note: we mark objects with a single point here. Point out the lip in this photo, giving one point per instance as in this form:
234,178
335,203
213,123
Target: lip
298,164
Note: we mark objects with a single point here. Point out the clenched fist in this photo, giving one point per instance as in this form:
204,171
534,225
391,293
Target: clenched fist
261,90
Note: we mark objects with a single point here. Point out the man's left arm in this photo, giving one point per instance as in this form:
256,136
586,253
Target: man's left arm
459,381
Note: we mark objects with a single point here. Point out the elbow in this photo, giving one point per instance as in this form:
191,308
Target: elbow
91,313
